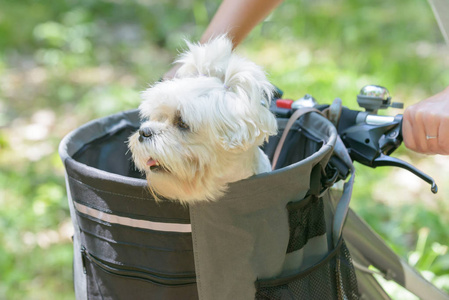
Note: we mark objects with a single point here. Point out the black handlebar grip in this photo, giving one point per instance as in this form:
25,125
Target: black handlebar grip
347,119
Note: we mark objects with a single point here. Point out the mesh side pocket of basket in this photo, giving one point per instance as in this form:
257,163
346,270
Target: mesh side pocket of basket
306,221
331,278
328,274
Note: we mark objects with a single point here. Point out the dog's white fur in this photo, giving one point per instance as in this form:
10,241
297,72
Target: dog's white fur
206,125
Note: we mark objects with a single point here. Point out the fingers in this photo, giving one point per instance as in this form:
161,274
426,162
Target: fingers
443,137
414,133
431,124
407,130
425,125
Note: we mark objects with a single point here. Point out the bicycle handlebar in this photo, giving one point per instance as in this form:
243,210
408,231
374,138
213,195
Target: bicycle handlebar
370,138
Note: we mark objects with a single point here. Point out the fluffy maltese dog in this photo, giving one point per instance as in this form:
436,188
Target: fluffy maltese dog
202,129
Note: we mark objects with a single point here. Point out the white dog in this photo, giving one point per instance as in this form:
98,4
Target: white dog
202,129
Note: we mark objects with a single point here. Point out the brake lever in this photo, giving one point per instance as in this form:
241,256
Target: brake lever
385,160
373,138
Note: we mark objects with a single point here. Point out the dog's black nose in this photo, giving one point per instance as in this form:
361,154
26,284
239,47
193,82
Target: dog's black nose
145,133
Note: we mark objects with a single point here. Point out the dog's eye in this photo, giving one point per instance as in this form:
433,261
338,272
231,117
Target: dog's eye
181,124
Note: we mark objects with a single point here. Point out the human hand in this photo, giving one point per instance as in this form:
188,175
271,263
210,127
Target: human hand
425,125
170,74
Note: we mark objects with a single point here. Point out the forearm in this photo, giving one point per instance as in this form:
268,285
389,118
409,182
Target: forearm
237,18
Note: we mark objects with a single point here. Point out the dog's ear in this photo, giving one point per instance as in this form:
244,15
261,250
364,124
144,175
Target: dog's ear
241,125
217,59
247,83
247,92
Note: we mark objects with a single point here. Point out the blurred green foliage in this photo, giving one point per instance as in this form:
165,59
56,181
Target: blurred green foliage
63,63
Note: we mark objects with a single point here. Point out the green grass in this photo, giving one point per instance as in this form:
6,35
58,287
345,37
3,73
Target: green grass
64,63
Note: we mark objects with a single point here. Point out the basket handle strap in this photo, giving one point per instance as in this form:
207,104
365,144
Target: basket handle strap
340,150
342,208
296,115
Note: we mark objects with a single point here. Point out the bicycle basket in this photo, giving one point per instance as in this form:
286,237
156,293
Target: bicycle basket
269,237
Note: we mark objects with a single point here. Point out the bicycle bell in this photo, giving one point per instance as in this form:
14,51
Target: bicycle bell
375,97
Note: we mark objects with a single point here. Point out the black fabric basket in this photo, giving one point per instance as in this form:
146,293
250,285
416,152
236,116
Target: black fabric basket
269,237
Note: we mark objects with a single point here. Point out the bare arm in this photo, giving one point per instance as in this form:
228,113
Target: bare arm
236,18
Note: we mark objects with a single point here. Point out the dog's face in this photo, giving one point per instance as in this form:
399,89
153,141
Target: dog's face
195,132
